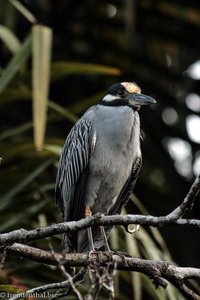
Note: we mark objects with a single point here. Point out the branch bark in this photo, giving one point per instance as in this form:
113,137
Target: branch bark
24,236
157,270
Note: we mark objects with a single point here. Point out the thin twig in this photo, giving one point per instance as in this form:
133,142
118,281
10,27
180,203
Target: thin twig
63,270
188,203
2,261
50,286
182,287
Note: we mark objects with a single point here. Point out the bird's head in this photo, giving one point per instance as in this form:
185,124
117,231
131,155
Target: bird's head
126,93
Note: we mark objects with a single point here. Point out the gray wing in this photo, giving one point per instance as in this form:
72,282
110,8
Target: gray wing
127,188
126,191
72,170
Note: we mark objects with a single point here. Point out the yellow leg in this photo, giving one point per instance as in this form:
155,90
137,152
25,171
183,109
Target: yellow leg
105,241
88,213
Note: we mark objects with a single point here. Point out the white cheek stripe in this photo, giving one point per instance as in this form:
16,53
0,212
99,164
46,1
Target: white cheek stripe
110,98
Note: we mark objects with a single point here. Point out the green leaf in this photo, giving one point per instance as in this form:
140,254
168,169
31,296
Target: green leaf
55,149
63,111
83,104
16,130
15,63
10,95
63,68
7,198
154,231
9,39
20,216
10,288
42,41
23,10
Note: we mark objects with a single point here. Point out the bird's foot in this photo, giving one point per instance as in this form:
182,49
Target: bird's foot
122,255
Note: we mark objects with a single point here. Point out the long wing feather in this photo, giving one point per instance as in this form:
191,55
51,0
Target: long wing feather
127,188
126,191
72,171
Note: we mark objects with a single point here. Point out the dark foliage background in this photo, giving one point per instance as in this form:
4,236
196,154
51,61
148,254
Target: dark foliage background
152,42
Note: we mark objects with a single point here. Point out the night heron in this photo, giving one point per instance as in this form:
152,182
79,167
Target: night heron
100,162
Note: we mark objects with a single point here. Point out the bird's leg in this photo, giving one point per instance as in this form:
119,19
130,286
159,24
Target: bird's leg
109,269
88,213
105,241
90,238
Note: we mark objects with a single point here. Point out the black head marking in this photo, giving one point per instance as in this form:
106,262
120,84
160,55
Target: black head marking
115,88
115,96
126,94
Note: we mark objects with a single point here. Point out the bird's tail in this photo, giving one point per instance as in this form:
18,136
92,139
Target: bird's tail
67,242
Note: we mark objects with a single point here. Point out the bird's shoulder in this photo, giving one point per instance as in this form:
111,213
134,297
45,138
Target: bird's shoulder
83,129
77,147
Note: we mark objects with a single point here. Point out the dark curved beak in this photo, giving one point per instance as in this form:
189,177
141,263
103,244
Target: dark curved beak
140,99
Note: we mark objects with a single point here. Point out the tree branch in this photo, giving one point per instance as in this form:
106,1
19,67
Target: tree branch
188,203
157,270
23,236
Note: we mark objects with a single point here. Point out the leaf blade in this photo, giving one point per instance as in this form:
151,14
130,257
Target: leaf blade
15,63
42,42
9,39
64,68
23,10
7,197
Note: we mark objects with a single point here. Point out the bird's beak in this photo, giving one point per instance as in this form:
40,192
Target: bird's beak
140,99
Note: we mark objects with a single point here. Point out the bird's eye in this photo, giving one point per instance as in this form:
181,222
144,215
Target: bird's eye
121,93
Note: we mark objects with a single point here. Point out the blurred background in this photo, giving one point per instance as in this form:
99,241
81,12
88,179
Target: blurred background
57,58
